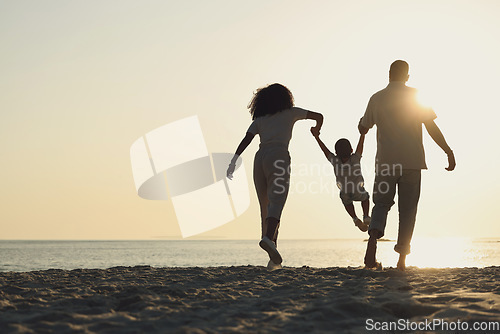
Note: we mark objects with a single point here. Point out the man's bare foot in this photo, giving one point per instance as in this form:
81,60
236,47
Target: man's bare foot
401,263
371,250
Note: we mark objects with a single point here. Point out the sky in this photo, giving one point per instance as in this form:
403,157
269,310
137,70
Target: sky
82,80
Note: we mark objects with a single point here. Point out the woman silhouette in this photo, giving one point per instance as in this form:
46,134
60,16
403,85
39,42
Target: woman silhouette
273,114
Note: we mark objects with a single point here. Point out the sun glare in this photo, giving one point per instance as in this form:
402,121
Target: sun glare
442,252
425,99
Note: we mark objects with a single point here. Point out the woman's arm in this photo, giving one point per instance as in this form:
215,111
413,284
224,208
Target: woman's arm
241,147
318,118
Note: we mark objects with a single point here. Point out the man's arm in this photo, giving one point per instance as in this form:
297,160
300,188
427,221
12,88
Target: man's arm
438,137
368,120
322,145
362,130
359,148
241,147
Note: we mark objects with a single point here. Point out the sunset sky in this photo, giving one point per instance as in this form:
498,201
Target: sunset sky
82,80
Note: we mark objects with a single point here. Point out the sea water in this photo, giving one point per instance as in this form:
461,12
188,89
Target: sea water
430,252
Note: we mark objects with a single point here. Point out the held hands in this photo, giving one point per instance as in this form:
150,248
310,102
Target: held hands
451,161
362,130
315,132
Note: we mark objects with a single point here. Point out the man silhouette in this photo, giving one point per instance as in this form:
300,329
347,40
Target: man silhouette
400,157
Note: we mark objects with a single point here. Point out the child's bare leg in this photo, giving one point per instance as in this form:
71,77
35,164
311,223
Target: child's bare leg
366,207
358,222
350,210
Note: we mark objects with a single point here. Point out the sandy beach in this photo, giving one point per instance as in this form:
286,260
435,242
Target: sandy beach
242,299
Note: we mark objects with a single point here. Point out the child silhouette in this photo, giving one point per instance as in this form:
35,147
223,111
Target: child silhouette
347,168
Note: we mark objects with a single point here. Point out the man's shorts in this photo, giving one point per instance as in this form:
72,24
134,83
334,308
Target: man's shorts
354,197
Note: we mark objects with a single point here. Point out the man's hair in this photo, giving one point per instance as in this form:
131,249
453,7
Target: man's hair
399,70
343,148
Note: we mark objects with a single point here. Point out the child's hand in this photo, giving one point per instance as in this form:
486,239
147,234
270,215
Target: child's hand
315,131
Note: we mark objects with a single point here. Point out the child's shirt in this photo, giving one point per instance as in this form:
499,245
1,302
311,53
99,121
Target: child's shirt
348,174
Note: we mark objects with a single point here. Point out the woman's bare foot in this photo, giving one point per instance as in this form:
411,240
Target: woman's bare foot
401,262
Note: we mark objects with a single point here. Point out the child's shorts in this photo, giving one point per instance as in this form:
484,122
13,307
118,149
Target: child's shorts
354,197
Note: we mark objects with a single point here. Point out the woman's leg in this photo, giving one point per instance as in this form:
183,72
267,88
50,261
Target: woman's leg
277,169
272,225
260,182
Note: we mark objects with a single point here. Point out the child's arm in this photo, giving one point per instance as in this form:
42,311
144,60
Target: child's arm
359,148
323,147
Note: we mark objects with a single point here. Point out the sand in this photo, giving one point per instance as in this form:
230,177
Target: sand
244,299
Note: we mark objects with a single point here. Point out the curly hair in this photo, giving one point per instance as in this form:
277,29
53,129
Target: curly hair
270,100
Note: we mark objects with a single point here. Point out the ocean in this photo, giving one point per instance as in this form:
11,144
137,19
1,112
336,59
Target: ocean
30,255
